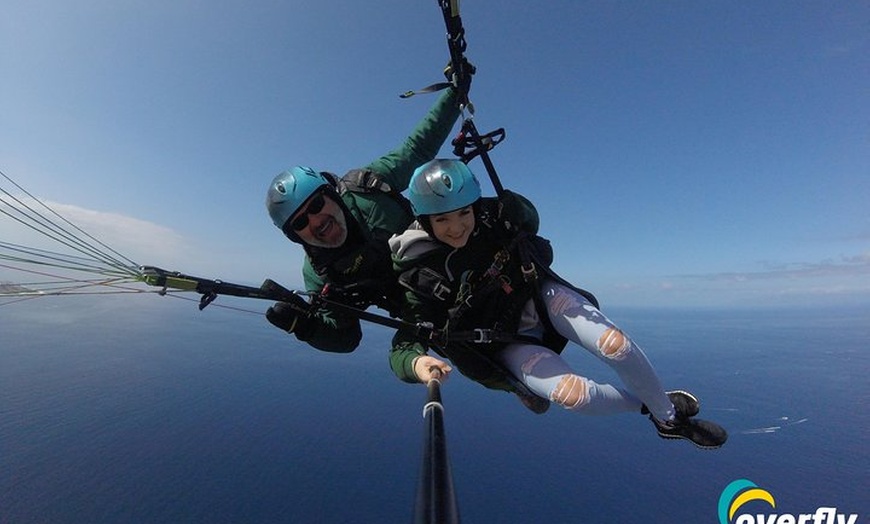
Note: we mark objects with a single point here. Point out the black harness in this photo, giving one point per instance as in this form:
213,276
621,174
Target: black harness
360,272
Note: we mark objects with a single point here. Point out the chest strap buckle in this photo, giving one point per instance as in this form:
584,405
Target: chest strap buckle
482,336
441,292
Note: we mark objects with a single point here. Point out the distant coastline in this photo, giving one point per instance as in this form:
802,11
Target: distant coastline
10,287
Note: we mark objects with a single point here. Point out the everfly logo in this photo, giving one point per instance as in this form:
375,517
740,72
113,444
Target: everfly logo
742,491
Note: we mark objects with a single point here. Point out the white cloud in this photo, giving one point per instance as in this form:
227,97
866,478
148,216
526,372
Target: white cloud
845,266
132,238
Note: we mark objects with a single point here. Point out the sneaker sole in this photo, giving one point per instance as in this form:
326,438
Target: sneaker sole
724,436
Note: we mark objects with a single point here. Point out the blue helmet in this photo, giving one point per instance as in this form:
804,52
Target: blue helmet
442,186
289,190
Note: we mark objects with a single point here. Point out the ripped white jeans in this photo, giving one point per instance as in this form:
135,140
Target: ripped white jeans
549,376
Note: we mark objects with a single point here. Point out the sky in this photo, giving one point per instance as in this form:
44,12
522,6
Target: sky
680,153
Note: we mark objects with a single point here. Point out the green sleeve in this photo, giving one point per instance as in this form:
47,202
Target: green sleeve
402,356
421,145
406,347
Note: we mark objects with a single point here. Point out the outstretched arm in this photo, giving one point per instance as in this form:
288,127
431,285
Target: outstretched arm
410,362
422,145
408,356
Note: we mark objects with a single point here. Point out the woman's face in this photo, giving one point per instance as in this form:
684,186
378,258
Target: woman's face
453,228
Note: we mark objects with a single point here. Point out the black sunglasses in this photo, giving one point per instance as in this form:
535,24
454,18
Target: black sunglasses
315,206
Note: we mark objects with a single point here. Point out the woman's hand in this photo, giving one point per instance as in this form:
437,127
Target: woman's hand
425,366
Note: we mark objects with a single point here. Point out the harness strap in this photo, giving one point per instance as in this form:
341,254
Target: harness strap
433,88
459,70
363,181
481,336
477,337
527,262
493,277
366,181
427,281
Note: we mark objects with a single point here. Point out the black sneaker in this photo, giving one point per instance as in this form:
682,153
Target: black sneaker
702,433
685,404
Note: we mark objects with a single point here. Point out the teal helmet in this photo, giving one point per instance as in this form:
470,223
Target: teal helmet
442,186
289,190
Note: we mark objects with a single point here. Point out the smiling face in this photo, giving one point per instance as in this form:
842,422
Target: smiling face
453,228
324,227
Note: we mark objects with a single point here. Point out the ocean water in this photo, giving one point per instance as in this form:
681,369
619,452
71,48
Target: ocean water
141,409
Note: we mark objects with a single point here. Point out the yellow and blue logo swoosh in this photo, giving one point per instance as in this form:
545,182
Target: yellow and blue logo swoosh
737,494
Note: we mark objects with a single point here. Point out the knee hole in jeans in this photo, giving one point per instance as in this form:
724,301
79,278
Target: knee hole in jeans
614,344
572,392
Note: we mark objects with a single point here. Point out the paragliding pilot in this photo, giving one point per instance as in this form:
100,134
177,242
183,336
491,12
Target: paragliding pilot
343,224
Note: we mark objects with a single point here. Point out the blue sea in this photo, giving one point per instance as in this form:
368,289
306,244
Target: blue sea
142,409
